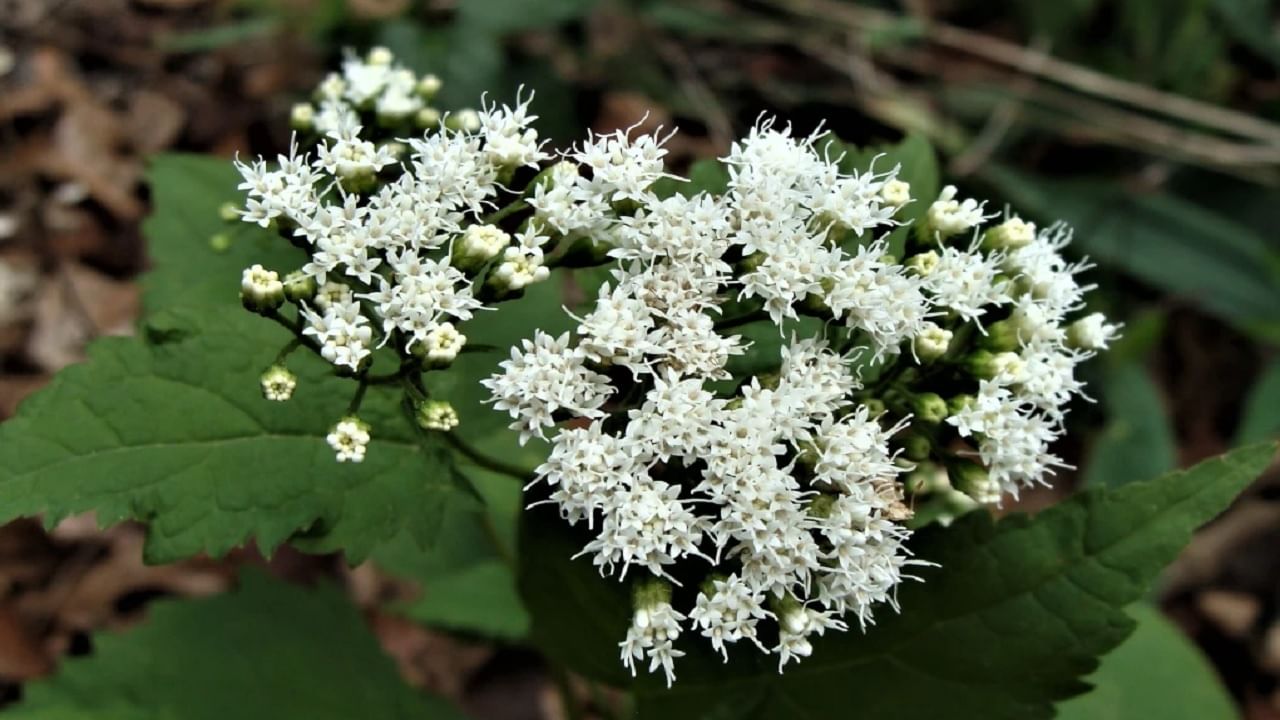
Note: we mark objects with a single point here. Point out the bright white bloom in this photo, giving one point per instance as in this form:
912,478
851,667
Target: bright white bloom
731,611
349,439
1092,332
654,629
548,376
948,216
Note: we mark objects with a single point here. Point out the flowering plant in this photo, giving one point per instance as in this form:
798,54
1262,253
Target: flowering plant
797,385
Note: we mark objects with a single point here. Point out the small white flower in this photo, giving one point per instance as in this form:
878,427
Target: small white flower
278,383
349,439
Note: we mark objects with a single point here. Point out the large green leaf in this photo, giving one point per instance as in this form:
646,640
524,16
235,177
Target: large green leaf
267,651
467,579
177,434
1169,243
187,272
1014,616
1137,442
1156,673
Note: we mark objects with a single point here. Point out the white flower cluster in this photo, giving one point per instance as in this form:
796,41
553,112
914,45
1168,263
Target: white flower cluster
776,498
399,234
373,84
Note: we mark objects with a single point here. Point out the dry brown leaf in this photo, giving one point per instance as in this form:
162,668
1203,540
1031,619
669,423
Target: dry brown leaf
21,655
153,121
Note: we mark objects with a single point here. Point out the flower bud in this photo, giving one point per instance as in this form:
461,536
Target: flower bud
302,117
959,403
1002,336
875,406
436,415
516,272
928,477
229,212
298,287
973,480
821,505
429,85
440,346
261,289
466,120
278,383
929,407
916,446
985,365
427,118
924,263
220,242
1091,332
932,342
379,55
1011,234
478,245
895,193
947,216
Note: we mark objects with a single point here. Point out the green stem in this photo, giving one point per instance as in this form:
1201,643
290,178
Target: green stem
287,350
354,406
497,216
484,461
734,322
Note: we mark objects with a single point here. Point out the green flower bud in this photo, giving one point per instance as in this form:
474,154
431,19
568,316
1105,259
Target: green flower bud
299,288
1002,336
229,212
929,407
1009,235
278,383
875,406
916,446
960,403
927,477
220,242
436,415
821,506
973,480
985,365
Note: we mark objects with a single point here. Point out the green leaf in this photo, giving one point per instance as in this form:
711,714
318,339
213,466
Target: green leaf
1261,418
1164,241
266,651
467,580
187,191
178,435
918,166
1156,673
1137,441
1015,614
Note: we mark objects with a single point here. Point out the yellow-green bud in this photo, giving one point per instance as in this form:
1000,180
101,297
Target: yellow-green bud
929,407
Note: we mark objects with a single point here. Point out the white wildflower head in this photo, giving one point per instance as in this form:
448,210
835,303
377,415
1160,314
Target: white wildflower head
780,482
733,416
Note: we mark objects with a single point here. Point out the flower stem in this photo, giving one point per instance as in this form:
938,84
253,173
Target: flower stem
483,460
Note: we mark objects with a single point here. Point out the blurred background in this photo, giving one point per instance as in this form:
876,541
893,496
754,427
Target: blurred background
1152,126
